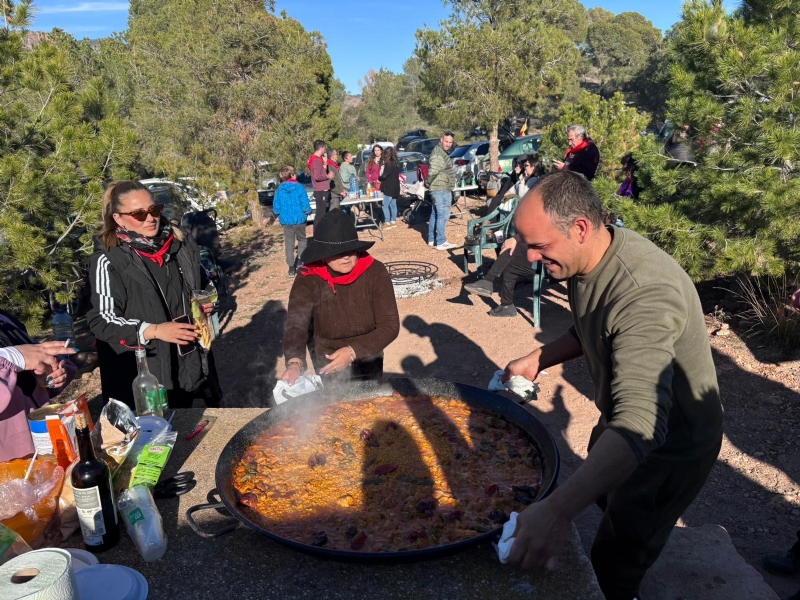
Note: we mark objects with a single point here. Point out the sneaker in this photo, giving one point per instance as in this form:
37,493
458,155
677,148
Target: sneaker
292,272
480,287
431,244
446,246
503,310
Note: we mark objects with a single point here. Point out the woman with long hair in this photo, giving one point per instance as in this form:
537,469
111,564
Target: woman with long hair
142,277
390,186
374,167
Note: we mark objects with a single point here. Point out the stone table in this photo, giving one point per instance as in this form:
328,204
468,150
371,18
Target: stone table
246,565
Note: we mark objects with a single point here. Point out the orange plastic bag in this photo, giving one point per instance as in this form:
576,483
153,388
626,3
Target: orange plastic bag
33,523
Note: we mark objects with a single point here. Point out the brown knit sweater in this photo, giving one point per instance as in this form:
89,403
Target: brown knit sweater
362,315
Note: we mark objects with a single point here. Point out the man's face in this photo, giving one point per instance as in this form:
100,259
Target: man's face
447,142
560,255
321,151
573,139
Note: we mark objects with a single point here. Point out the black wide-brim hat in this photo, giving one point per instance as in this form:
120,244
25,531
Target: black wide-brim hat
335,234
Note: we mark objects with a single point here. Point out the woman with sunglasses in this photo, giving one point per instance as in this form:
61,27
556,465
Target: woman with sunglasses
142,278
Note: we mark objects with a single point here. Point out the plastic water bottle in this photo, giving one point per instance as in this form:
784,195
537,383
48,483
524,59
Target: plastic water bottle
143,522
353,185
63,328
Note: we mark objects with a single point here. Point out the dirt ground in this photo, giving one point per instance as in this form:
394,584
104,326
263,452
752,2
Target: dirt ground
753,491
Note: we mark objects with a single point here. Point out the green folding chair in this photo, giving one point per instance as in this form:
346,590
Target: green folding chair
477,241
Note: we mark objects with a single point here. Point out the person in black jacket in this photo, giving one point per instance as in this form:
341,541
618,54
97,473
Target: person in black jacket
142,278
582,156
390,186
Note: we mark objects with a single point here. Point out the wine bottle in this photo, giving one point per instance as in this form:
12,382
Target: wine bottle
145,388
91,484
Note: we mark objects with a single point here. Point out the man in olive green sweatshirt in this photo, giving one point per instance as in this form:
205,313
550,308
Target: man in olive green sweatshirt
638,323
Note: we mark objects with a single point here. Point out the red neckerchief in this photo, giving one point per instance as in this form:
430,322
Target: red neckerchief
333,164
158,257
311,160
318,268
291,180
578,148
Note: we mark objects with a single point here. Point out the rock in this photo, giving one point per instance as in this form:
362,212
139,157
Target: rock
701,563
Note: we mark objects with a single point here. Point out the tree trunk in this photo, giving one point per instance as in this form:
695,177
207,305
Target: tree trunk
256,214
494,148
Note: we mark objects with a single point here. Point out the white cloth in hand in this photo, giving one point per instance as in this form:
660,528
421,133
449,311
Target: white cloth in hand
507,538
305,383
517,384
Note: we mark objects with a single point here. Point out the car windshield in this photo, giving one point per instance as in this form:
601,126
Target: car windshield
526,145
410,163
460,151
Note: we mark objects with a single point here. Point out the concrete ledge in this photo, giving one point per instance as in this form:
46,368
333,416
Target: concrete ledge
701,563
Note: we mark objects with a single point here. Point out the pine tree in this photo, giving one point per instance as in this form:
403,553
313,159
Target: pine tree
494,58
735,90
220,86
58,142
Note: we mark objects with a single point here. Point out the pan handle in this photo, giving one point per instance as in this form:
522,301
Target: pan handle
199,530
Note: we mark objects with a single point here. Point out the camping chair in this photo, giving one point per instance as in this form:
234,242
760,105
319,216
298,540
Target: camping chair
506,222
481,233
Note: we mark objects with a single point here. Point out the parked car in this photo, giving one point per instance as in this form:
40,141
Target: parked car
459,160
362,156
409,136
524,145
173,196
423,146
409,161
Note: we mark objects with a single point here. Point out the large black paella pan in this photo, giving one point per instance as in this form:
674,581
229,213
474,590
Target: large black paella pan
236,447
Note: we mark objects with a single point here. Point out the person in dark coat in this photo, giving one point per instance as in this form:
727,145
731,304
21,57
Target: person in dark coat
390,186
582,156
142,278
346,299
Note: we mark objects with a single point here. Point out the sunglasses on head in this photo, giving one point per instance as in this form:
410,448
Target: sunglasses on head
140,214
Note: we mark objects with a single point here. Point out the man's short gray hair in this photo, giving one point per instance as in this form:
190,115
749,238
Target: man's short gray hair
567,196
577,130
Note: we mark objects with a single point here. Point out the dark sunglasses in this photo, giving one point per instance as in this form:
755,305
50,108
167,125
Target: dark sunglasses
140,214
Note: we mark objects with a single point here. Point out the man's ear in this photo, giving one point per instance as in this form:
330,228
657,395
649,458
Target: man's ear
582,228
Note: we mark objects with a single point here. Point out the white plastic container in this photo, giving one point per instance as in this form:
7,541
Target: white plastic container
143,522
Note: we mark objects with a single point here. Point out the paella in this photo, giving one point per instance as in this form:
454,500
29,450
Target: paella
388,474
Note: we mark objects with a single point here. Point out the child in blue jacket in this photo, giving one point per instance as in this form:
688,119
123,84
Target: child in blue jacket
292,207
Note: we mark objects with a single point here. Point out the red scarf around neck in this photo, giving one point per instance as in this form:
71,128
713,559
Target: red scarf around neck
586,141
157,257
333,164
321,270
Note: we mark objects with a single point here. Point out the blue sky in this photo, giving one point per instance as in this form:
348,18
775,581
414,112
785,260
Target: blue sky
361,34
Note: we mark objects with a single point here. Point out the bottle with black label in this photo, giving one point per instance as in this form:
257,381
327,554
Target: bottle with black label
91,483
